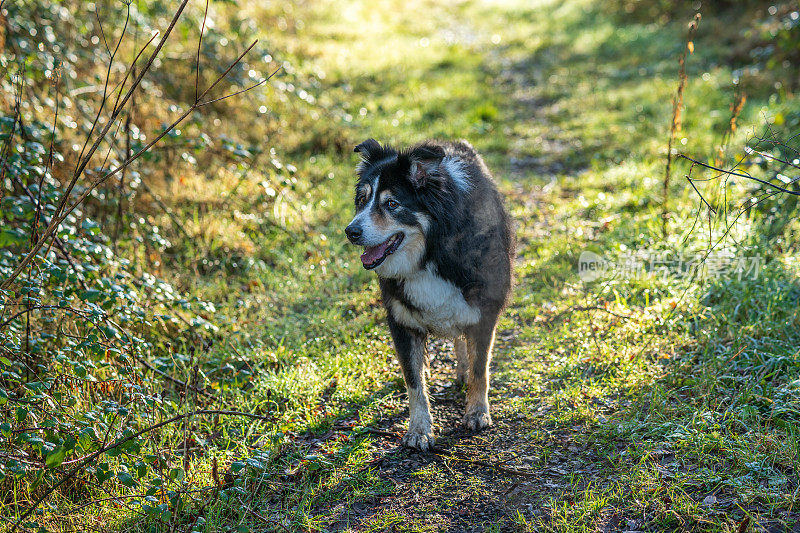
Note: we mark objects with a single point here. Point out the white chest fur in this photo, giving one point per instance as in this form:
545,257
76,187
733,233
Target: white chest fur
438,306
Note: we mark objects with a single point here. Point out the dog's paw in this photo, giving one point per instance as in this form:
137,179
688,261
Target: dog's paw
477,420
419,440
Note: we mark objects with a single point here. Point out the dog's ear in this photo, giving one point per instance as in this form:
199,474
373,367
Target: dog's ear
425,161
369,149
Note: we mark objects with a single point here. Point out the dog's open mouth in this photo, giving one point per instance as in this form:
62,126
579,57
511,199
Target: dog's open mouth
375,255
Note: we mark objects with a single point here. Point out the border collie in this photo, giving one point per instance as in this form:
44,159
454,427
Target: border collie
435,231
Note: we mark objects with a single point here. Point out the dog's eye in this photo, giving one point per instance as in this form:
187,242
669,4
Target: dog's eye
392,205
361,200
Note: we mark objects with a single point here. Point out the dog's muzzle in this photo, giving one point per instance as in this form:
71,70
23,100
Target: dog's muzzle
353,232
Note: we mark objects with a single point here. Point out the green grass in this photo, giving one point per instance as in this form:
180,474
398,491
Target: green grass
650,404
677,411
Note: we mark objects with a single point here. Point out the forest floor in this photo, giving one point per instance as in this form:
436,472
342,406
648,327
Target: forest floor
642,401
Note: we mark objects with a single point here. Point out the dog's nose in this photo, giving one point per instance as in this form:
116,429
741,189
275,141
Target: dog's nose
353,232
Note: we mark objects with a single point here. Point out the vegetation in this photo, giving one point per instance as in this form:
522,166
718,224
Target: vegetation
194,347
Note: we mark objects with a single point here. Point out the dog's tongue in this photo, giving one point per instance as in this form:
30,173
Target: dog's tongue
373,253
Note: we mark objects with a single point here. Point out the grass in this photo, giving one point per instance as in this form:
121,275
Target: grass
645,404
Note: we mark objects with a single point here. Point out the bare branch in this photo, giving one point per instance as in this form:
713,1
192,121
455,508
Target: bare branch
675,124
197,63
741,175
102,32
132,69
99,110
691,182
59,216
237,93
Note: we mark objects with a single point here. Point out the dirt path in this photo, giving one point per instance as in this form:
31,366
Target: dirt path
496,480
612,411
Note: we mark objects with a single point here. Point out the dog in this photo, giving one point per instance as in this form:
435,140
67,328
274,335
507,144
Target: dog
435,231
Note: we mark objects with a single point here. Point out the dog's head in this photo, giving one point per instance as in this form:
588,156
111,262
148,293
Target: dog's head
392,217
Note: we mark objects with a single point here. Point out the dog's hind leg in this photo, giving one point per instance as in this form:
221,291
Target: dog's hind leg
479,345
410,347
462,359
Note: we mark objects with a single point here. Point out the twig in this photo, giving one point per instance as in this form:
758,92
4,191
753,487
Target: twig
49,166
480,462
42,307
197,64
101,500
81,162
10,521
675,125
237,93
741,175
132,70
774,158
691,182
56,240
594,333
59,215
574,308
264,519
173,379
382,433
18,86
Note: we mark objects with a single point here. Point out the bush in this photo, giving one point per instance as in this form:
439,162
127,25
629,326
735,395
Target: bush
83,324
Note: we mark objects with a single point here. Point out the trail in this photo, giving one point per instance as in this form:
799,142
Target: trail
502,476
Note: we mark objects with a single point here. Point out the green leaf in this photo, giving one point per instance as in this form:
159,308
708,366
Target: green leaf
56,457
87,437
90,226
176,474
89,295
34,440
258,465
79,370
126,479
9,237
102,472
115,452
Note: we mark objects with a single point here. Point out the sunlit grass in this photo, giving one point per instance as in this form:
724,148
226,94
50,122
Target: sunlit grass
656,396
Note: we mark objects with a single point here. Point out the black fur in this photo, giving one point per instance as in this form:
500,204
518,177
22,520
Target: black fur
468,242
455,240
405,342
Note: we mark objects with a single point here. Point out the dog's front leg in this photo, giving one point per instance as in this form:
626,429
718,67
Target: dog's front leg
410,346
462,359
479,345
